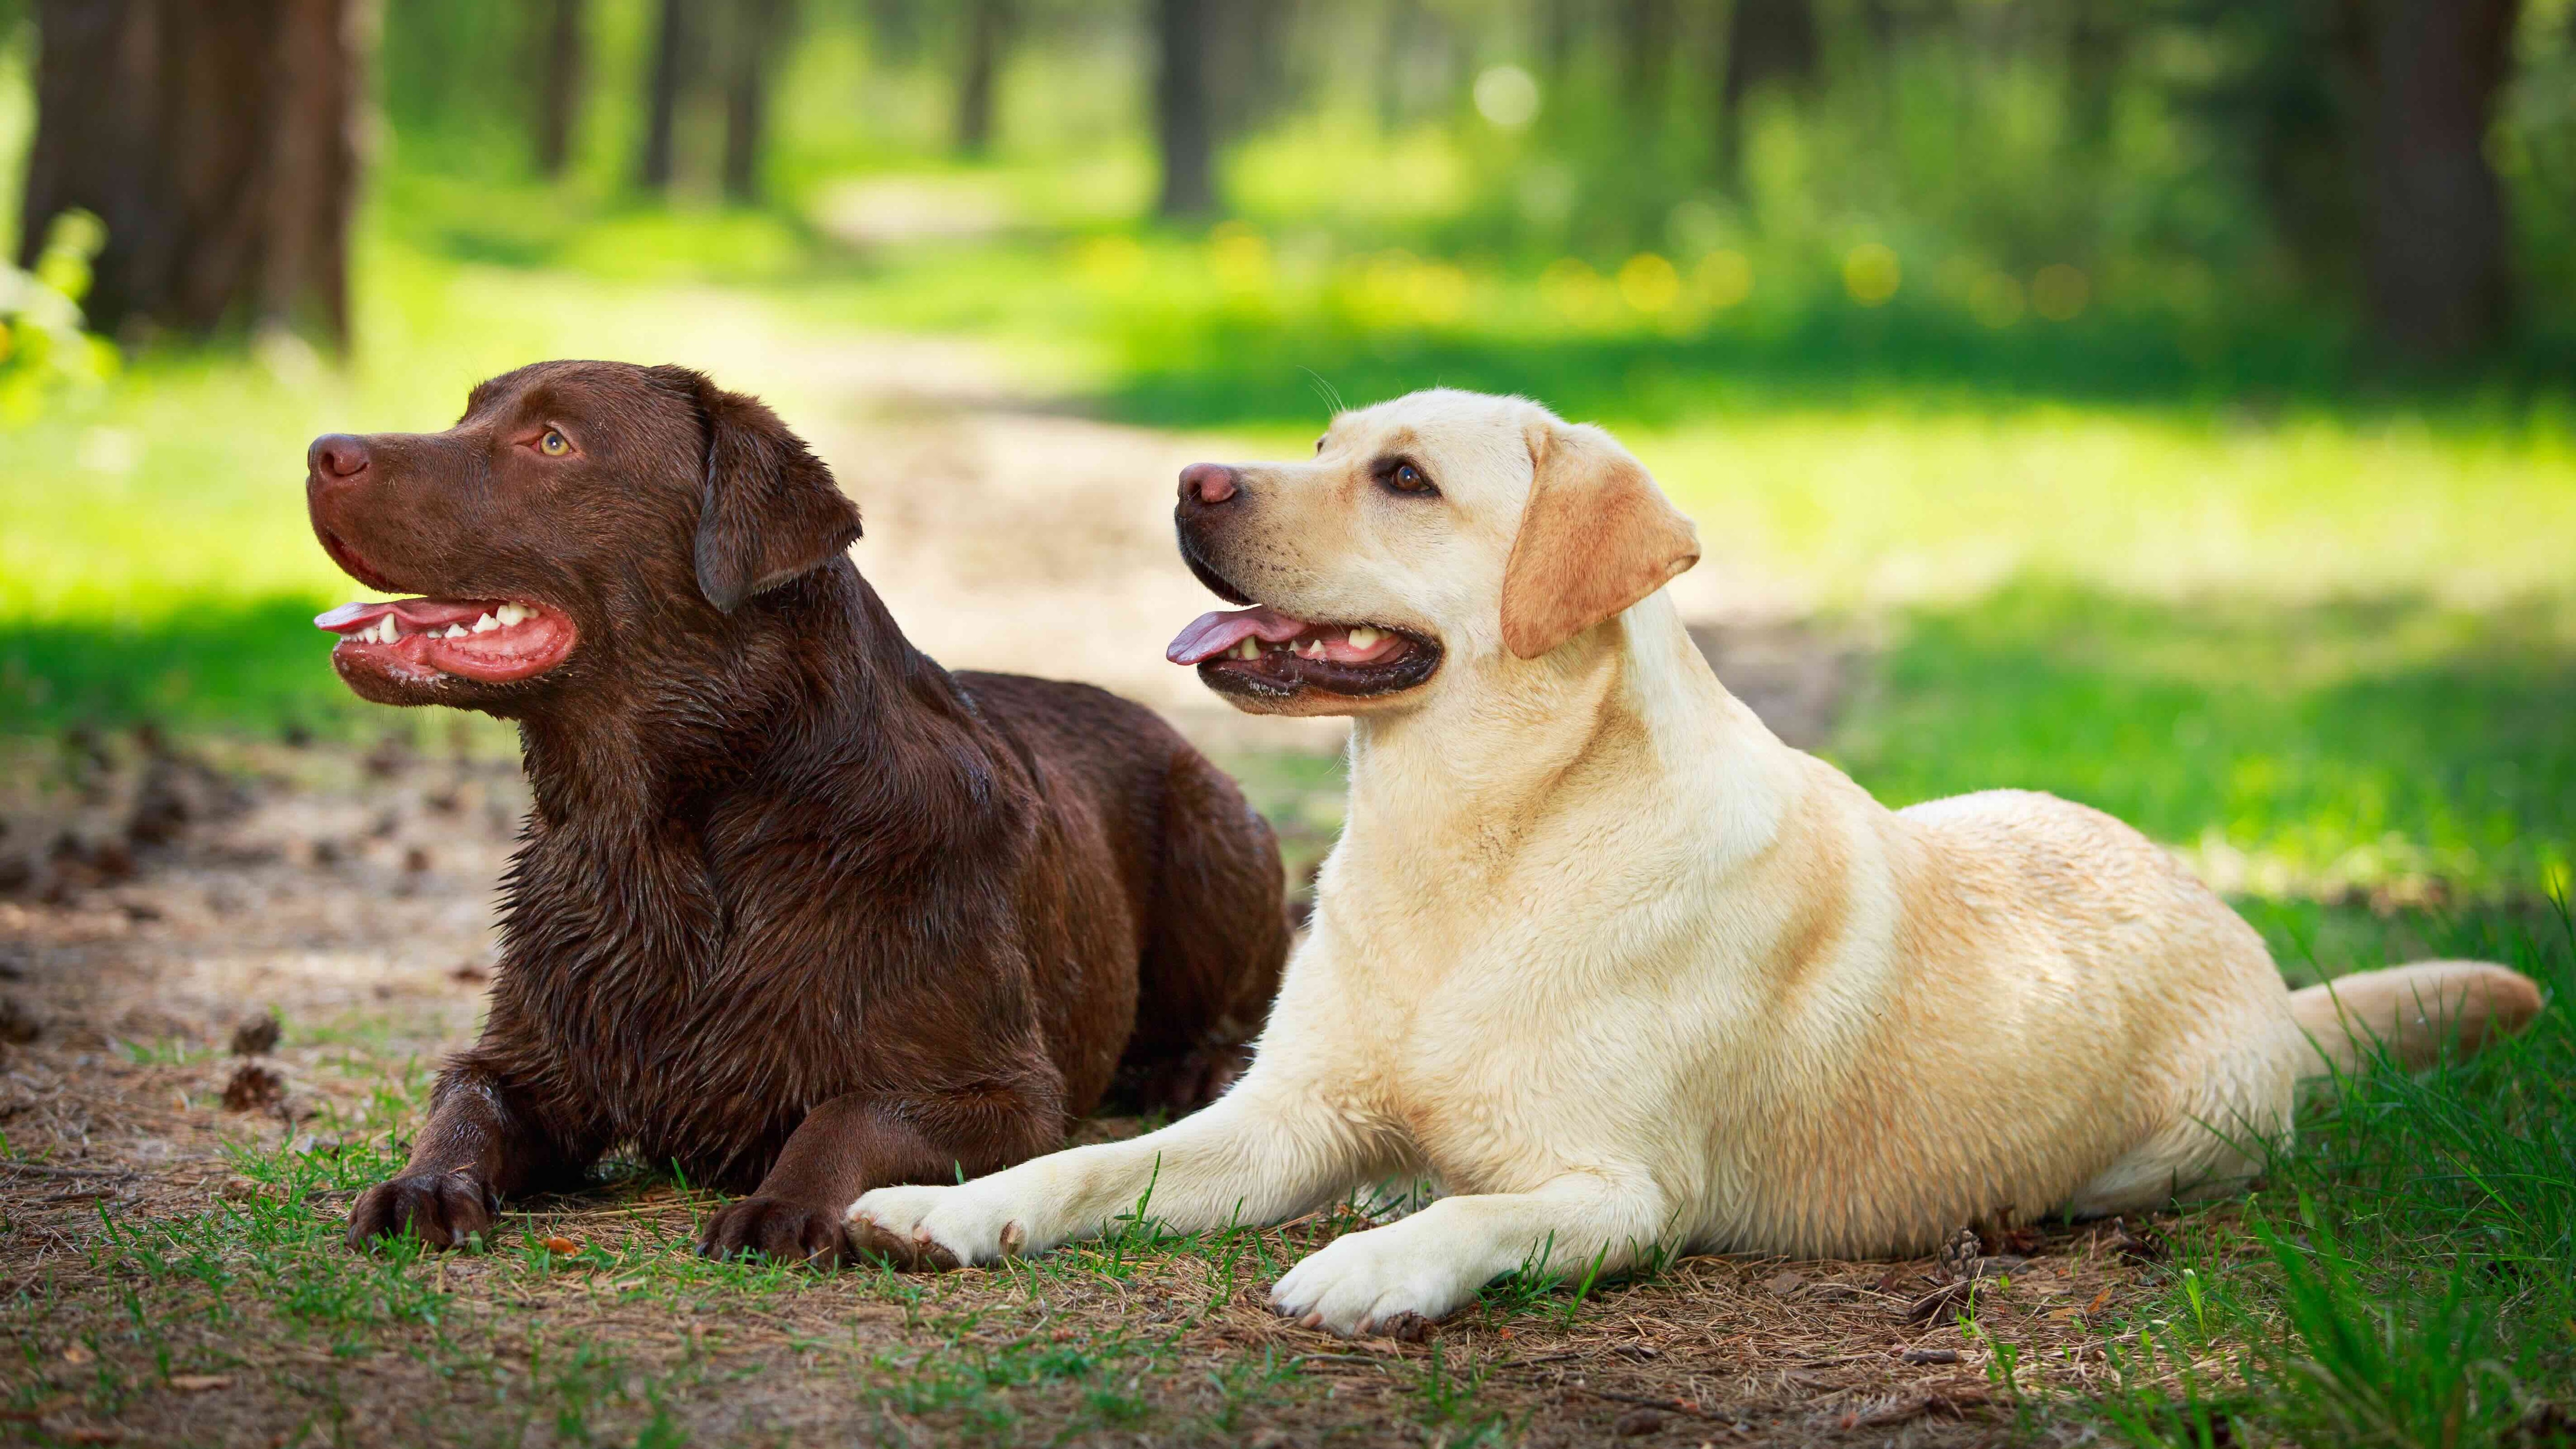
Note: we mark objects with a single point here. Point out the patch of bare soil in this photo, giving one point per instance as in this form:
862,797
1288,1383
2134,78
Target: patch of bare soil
228,976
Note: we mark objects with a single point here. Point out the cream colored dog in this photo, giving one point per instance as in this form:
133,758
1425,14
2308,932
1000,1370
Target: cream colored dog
1619,969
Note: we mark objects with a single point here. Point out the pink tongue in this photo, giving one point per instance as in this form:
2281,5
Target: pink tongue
417,614
1213,634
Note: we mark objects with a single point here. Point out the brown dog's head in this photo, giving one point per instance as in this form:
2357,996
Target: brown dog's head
579,511
1442,526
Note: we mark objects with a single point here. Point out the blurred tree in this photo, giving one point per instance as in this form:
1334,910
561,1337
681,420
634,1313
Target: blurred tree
896,27
2438,279
1248,45
755,34
562,64
218,143
1183,124
1768,42
1401,24
672,38
1555,24
2099,34
1646,30
2367,124
987,26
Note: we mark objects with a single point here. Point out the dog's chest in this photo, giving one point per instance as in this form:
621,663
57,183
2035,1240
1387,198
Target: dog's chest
1504,1050
656,1029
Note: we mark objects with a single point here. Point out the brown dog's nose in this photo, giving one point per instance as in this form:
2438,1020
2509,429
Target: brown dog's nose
336,455
1207,483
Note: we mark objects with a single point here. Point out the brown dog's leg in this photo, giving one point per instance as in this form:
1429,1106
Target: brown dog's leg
1220,936
477,1148
865,1140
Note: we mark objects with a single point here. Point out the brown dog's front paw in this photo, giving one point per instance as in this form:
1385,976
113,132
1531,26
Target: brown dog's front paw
1195,1078
443,1208
780,1230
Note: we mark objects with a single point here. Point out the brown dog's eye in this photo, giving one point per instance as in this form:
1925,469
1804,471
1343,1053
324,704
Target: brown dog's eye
553,444
1405,478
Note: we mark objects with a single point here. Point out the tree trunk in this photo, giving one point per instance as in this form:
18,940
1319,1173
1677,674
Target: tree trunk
750,57
2097,51
2439,286
1555,24
1767,42
671,40
559,87
987,27
1182,123
1399,31
1645,53
219,145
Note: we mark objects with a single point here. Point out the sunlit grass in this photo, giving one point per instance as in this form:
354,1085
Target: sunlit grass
1905,501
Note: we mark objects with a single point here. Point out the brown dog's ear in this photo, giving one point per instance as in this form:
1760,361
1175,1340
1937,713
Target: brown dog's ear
1596,537
771,510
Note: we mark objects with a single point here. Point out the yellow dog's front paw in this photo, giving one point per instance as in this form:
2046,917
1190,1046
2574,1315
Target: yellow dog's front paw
934,1228
1372,1284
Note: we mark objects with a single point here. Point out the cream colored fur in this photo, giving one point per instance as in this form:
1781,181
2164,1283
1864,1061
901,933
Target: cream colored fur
1620,970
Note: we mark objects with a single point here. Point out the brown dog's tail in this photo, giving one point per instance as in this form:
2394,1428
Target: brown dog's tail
2415,1013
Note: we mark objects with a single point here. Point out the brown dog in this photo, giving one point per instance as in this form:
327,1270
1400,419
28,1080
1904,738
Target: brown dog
795,907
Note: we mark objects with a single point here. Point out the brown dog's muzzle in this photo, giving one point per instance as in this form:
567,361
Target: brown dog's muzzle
400,650
337,470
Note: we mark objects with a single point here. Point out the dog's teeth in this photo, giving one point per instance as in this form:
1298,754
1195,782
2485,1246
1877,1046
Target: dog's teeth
1365,637
1248,649
511,614
486,624
454,631
387,631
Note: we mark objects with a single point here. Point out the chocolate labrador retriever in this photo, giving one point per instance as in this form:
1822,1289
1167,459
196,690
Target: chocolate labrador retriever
795,906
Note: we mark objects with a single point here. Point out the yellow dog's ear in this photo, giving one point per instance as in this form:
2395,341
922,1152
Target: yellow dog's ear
1597,536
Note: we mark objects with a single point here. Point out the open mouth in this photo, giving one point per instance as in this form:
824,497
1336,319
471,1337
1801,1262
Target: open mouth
425,640
1260,651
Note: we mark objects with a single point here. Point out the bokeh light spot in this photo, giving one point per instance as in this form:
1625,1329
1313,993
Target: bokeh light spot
1995,300
2059,292
1648,283
1723,278
1240,257
1507,96
1871,273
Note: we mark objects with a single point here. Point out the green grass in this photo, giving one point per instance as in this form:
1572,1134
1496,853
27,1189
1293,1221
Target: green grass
2403,1277
2387,744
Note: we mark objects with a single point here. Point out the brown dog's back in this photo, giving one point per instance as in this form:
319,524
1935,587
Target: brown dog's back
1202,897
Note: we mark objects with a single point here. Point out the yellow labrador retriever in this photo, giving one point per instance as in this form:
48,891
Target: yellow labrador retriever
1619,969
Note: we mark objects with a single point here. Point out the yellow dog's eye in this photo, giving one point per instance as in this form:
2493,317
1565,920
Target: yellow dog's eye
553,444
1408,479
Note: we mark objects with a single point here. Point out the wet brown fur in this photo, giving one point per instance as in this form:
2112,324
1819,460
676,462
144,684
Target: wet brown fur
796,910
